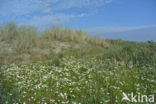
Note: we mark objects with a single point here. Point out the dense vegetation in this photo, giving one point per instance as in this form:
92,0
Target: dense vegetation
24,44
64,66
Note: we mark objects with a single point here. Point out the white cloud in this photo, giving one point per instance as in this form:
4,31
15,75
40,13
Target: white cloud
46,11
24,7
80,3
43,21
115,29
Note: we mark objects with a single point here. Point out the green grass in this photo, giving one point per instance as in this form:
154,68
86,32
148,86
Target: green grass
65,66
85,81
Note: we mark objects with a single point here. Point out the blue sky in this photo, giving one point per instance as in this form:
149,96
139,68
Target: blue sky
100,17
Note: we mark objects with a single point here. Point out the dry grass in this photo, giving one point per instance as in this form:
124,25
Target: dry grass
27,45
78,36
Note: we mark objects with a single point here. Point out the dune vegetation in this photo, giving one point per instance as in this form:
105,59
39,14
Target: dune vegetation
65,66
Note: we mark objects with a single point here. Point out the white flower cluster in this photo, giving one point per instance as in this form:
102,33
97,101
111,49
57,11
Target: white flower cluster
78,81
